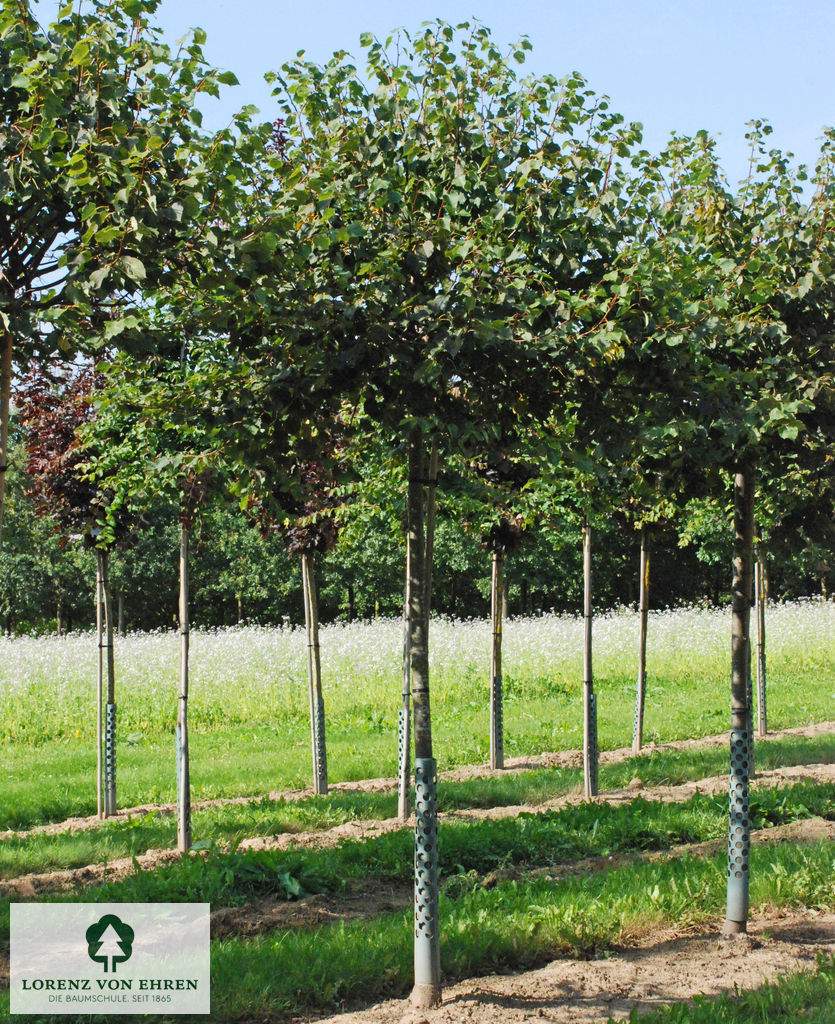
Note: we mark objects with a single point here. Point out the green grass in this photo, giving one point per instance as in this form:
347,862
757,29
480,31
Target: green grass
510,926
248,709
469,850
227,825
807,997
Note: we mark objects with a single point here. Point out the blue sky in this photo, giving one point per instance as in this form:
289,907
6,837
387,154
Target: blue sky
670,65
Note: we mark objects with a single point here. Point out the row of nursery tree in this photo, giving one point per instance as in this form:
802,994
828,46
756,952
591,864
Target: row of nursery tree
431,263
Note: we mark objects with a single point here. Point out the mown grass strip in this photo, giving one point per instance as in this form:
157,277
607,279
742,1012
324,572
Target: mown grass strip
229,824
807,997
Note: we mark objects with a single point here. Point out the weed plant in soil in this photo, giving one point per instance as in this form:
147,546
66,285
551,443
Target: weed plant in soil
806,996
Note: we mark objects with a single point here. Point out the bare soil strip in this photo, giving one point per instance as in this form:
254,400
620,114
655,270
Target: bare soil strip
559,759
662,966
34,885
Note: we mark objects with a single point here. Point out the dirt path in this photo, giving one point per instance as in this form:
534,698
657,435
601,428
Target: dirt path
663,967
559,759
34,885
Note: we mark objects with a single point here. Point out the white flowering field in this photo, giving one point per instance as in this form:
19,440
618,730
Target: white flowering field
254,674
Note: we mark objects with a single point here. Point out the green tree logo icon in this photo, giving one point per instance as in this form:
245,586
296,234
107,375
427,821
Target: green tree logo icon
109,939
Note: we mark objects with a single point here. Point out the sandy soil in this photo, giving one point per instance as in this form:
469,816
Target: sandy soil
662,967
566,758
34,885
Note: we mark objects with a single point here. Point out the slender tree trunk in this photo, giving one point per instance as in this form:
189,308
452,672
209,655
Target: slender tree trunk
589,696
352,604
110,707
59,624
120,604
496,707
314,677
760,589
739,825
240,603
404,731
427,988
99,686
404,717
641,690
5,403
183,780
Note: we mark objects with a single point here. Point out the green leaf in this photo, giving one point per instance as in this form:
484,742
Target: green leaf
134,268
80,54
98,277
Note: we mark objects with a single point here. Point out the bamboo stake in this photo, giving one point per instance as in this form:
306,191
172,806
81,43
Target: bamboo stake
5,403
589,699
99,687
496,708
760,589
641,689
431,494
405,715
314,677
110,709
183,781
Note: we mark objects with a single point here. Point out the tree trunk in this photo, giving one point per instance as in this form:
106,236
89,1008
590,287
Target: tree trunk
739,825
99,686
59,624
496,707
120,604
589,697
314,678
760,592
404,716
352,604
240,602
183,781
427,956
5,402
404,731
110,707
640,697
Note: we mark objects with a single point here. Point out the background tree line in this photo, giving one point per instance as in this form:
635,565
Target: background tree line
239,574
